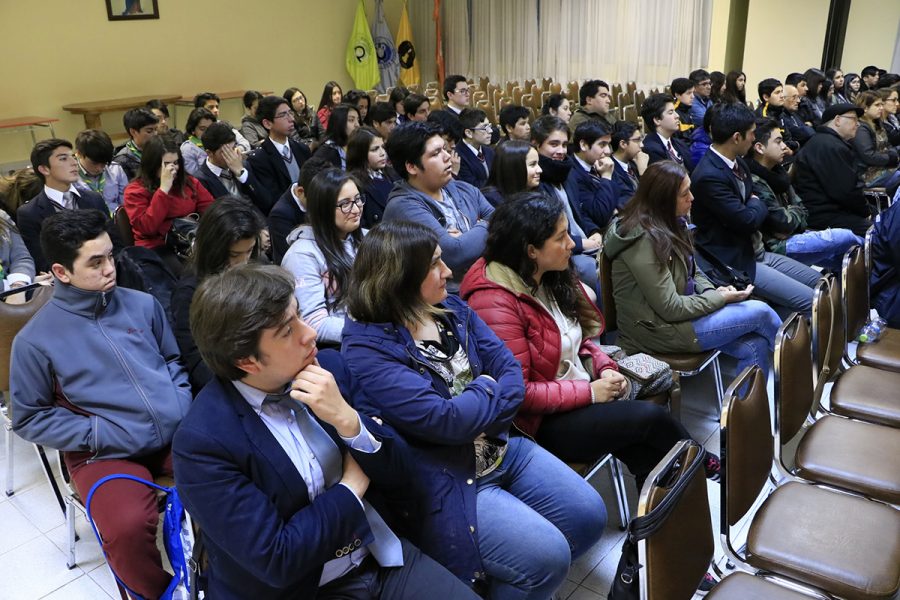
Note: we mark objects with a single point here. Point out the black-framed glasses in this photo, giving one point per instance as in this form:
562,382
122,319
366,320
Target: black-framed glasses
346,206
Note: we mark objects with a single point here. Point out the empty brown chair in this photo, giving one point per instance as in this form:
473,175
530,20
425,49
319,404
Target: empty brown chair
123,225
885,353
556,88
852,455
843,544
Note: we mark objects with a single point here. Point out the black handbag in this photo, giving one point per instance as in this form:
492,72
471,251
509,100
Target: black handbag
721,274
626,583
181,236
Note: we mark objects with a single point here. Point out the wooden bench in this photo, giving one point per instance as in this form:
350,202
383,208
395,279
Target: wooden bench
92,110
29,123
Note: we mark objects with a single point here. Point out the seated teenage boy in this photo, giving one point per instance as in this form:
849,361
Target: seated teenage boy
274,464
290,210
662,124
55,164
628,145
224,173
210,102
94,153
475,154
683,91
456,211
109,392
593,171
141,125
514,123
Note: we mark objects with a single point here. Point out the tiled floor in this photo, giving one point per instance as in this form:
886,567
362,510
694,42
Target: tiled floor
33,535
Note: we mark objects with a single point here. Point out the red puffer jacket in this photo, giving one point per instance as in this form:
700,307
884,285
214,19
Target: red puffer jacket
504,302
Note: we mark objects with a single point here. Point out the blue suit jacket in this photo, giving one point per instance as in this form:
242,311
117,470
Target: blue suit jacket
726,217
654,148
283,218
271,172
264,537
625,187
217,189
471,170
30,216
597,197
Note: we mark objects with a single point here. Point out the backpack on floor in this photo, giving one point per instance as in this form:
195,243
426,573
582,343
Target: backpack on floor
178,539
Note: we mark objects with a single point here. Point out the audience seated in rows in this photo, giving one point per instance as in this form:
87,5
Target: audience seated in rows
228,235
427,194
735,90
223,173
140,125
837,78
627,144
784,230
307,128
876,159
55,164
122,415
192,150
211,101
516,168
97,172
550,135
702,91
592,172
322,251
342,122
475,152
282,493
161,111
395,99
825,174
577,402
557,105
665,302
728,217
384,119
162,192
662,125
790,119
367,161
435,372
277,161
252,129
513,121
362,102
594,99
290,210
683,91
416,107
456,94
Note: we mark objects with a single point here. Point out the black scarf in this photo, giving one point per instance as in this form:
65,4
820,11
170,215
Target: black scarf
555,172
777,178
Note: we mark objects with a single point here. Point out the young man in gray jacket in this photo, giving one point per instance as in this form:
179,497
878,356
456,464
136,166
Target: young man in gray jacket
95,374
456,211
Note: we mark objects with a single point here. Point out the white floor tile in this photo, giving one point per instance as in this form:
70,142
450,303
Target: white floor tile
104,579
566,589
82,588
40,506
16,528
583,593
34,570
88,555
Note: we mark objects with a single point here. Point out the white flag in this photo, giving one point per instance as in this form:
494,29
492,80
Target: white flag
388,64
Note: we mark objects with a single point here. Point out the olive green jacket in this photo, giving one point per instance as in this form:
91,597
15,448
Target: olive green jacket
654,315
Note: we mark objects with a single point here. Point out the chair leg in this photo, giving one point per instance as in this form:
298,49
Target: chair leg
48,471
621,494
720,391
10,459
70,527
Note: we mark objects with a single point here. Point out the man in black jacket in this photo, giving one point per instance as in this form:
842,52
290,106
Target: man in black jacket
224,173
825,174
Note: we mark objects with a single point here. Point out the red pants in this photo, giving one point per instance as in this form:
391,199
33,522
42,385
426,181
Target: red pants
126,515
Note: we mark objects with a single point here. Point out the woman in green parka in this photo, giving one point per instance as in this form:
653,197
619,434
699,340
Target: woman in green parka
665,304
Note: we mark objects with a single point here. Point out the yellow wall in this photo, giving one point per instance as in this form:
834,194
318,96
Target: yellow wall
59,51
718,40
778,43
871,32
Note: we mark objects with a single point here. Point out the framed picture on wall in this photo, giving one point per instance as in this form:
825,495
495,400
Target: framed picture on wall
127,10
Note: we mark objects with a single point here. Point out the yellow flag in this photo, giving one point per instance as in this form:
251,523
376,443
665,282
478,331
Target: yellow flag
406,51
362,60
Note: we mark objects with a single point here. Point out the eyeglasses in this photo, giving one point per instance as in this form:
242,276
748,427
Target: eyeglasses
706,83
282,115
483,128
346,206
465,91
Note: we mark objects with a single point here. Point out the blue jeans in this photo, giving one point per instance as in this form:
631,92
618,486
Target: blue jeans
744,330
785,283
823,248
535,516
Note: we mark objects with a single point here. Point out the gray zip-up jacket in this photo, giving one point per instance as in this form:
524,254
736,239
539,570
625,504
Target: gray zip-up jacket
98,372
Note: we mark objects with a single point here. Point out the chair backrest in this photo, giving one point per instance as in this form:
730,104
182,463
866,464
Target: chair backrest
747,447
827,333
631,86
606,293
794,397
677,555
870,233
13,318
123,224
855,291
556,88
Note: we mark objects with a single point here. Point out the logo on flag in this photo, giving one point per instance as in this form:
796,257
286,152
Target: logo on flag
388,65
361,59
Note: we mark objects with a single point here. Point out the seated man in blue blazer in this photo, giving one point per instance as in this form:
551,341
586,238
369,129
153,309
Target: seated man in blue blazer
277,161
475,153
593,170
224,173
728,216
662,123
274,464
54,163
627,144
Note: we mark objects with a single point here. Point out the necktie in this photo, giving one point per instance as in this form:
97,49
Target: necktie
386,547
480,155
68,201
229,182
286,153
738,172
672,154
631,172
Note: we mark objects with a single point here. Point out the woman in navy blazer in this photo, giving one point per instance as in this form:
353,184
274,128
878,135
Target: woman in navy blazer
486,499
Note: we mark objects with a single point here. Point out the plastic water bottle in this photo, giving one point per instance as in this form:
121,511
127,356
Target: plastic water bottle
870,332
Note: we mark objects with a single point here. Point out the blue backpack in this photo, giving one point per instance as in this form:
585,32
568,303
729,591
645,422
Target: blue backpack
178,538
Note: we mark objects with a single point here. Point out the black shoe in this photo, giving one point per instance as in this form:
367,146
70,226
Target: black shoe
708,583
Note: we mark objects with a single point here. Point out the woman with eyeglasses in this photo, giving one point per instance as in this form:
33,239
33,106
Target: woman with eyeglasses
322,252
